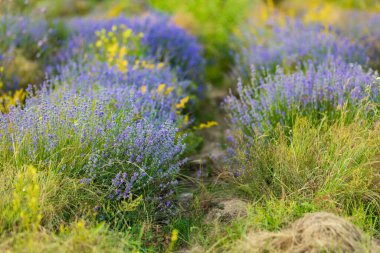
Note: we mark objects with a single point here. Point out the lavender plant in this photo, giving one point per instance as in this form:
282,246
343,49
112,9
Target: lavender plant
164,41
293,43
316,92
98,136
113,126
364,27
27,48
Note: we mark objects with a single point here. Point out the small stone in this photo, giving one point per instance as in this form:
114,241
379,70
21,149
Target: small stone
227,210
185,197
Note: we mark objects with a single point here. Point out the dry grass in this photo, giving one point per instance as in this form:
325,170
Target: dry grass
316,232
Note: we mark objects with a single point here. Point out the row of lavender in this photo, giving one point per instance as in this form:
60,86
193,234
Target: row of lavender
110,112
302,70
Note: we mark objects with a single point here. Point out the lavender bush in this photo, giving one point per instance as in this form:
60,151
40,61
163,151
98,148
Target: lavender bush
30,44
365,28
165,41
315,92
98,135
293,43
114,129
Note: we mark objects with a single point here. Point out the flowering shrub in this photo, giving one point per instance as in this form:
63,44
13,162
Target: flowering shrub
364,28
293,43
315,92
111,118
29,43
164,41
96,136
22,31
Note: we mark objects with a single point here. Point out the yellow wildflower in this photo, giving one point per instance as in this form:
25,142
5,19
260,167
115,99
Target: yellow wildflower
207,125
99,43
143,89
161,87
122,65
174,235
80,225
186,119
183,102
112,50
127,33
169,90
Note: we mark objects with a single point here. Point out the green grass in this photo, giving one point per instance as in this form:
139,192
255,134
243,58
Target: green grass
214,22
335,163
329,167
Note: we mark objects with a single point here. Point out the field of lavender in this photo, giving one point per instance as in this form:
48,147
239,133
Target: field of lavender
189,126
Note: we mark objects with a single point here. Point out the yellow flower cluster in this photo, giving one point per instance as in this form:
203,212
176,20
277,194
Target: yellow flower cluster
7,100
114,46
173,240
161,89
182,103
147,65
25,203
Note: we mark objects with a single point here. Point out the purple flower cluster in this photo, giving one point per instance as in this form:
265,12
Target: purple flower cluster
17,34
365,28
118,130
165,41
293,43
18,31
34,40
91,78
97,134
318,90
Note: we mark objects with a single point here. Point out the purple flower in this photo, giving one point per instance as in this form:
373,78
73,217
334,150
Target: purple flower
315,91
293,43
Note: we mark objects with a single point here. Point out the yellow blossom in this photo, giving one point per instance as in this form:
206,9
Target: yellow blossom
127,33
169,90
99,43
160,88
143,89
183,102
174,235
186,119
207,125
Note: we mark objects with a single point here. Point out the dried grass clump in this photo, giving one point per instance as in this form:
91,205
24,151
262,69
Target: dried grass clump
316,232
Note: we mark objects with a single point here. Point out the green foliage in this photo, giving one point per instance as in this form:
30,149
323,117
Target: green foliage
24,211
36,196
78,237
213,22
